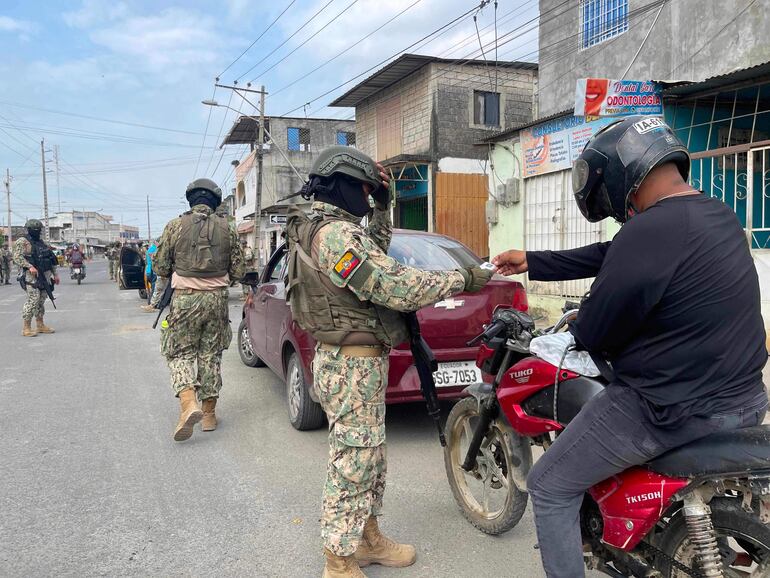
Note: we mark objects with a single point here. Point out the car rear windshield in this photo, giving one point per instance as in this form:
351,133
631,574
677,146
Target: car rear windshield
432,253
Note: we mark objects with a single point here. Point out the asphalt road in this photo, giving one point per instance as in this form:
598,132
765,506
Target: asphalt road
91,483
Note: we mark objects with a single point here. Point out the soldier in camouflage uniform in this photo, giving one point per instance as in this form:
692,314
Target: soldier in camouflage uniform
248,260
198,254
348,293
5,264
34,258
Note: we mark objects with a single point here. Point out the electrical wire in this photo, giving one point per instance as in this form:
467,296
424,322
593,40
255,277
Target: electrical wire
316,33
356,43
225,114
205,133
269,26
100,119
274,50
359,75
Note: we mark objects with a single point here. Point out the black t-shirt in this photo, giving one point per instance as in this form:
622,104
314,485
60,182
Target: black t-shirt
675,307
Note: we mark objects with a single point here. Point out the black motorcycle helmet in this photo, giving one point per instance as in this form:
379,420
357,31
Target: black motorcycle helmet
617,159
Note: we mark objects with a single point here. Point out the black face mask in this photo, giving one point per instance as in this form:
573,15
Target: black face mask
347,194
34,234
203,197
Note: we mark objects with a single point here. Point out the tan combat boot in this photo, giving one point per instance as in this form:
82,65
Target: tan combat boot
378,549
148,308
42,327
27,330
341,566
189,416
209,422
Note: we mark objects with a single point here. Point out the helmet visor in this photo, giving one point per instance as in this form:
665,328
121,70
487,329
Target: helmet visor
588,186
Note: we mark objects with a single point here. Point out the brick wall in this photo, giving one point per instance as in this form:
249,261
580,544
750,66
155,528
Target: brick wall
447,88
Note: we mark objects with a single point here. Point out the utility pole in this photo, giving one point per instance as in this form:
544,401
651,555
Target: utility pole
149,232
45,193
85,231
58,188
260,155
8,204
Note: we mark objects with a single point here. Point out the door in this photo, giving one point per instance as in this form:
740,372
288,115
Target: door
461,210
131,268
553,222
259,326
277,308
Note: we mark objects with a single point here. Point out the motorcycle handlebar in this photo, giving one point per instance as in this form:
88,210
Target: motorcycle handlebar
489,332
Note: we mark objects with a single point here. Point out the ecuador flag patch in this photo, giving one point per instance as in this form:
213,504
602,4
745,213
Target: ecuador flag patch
347,265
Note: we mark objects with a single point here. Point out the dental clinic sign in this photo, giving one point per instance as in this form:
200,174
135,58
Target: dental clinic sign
606,97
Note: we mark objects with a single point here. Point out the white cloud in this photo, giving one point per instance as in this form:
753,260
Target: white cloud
171,38
94,12
21,27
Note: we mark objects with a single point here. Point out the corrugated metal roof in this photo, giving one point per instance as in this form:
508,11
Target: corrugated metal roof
405,65
502,135
243,131
723,80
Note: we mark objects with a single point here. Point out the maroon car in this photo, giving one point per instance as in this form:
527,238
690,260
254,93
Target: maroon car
269,336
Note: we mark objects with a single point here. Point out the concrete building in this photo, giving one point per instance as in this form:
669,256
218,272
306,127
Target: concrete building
90,228
421,116
300,140
715,91
691,40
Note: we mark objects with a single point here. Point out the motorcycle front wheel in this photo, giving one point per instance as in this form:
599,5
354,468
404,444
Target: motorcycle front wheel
744,541
487,495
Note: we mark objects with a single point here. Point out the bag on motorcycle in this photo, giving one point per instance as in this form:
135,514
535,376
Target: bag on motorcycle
552,347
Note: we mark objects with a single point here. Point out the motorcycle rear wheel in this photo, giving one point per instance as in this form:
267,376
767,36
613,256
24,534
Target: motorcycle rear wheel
492,477
747,541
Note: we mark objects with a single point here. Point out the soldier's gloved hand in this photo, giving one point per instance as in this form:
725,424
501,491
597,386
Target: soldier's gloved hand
381,195
475,278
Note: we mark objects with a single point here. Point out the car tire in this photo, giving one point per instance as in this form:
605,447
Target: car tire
142,293
304,413
245,350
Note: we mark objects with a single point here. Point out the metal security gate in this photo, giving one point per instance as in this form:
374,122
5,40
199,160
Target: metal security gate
739,176
553,222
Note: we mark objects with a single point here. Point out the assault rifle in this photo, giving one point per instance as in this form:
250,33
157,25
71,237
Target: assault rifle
425,363
164,301
41,282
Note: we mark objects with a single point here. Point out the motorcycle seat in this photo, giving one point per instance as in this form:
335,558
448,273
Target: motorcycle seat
726,452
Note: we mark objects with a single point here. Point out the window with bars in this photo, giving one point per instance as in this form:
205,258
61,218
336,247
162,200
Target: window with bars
298,139
601,20
346,138
486,108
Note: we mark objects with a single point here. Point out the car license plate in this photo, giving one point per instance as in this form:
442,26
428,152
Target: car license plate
454,373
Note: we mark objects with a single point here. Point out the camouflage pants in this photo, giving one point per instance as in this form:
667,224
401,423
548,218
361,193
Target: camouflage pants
111,268
197,333
34,305
352,393
6,270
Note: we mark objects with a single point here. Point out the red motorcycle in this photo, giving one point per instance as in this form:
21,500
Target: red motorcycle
701,510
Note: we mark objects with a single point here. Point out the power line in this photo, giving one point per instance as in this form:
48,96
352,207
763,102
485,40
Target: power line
269,26
438,30
316,33
225,112
297,31
205,133
97,118
356,43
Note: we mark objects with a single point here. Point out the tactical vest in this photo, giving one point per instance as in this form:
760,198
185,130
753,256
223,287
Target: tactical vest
42,258
331,314
202,248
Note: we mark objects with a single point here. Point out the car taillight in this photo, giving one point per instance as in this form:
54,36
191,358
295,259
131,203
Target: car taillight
248,299
520,302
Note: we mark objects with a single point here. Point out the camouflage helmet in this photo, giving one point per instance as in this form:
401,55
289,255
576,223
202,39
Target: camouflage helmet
347,161
34,224
206,185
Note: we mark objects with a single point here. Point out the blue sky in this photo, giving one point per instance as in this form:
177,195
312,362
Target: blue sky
66,65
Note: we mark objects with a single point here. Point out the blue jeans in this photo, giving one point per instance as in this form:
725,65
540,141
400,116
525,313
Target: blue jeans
608,436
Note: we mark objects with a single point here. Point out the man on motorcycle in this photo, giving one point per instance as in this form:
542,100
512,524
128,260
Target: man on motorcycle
76,258
675,308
